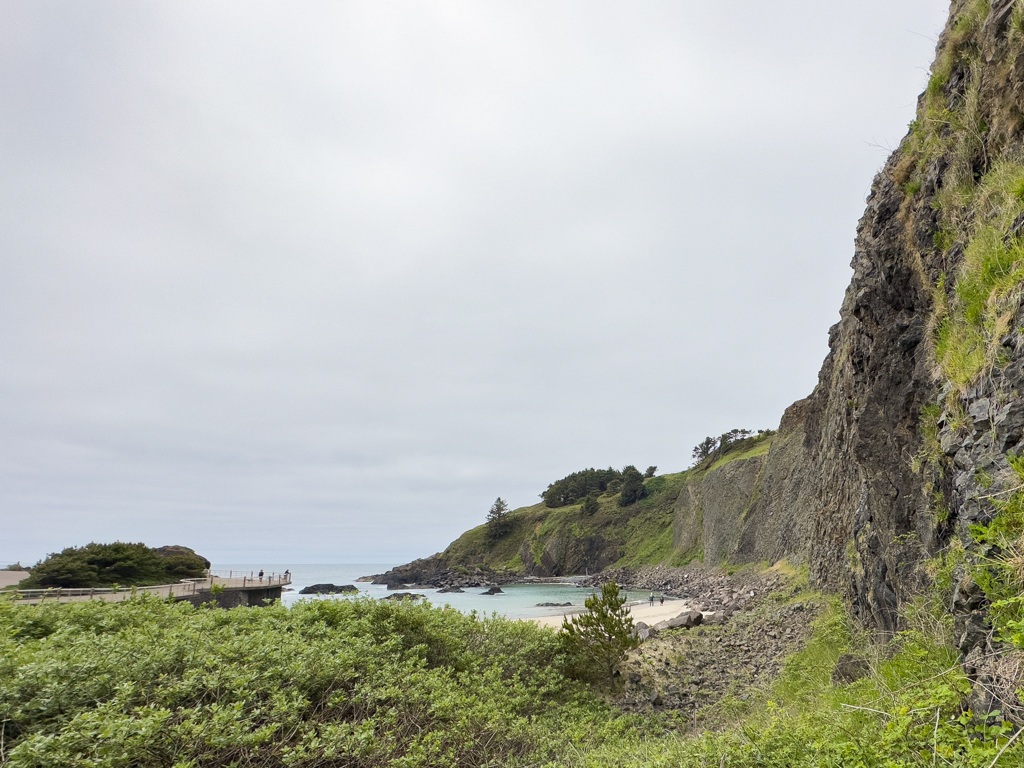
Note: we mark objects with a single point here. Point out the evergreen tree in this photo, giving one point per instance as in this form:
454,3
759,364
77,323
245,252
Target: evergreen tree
597,640
498,523
632,486
590,506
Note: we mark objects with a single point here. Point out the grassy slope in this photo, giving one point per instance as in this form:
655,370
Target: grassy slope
641,534
643,530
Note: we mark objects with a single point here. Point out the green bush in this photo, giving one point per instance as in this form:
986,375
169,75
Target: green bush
104,565
354,683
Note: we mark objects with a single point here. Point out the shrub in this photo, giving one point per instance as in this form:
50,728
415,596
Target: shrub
358,683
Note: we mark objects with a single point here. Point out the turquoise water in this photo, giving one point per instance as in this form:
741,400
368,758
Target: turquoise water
517,601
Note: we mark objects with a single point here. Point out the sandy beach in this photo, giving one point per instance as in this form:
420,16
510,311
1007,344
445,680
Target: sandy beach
10,578
642,612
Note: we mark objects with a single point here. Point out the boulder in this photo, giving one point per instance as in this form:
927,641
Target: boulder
327,589
647,633
403,596
685,620
492,591
450,590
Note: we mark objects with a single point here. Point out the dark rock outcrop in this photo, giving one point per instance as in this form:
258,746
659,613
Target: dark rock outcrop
432,573
327,589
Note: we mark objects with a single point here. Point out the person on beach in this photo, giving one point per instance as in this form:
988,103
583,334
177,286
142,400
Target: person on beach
662,599
652,599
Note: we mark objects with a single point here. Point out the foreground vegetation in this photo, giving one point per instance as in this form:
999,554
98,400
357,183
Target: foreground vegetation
364,683
354,683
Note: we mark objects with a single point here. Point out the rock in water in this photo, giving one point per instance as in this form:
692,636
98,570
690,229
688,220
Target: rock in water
403,596
449,590
553,605
492,591
327,589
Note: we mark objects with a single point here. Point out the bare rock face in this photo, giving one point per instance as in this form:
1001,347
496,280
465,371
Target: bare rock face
176,550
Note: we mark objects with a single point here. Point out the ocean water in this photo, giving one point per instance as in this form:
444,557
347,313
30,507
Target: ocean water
517,601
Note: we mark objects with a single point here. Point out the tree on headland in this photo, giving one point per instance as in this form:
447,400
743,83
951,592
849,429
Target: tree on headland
704,449
632,486
122,563
574,487
650,471
713,448
498,523
589,506
597,640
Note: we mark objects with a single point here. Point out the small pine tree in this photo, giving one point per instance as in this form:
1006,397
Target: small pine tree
590,506
498,523
650,471
597,640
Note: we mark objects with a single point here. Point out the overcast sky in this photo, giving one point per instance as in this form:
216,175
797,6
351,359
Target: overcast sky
316,282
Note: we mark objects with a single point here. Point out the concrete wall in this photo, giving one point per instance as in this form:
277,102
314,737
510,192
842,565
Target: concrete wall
233,598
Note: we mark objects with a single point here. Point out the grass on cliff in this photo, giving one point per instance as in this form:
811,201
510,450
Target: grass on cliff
988,289
759,448
635,535
979,198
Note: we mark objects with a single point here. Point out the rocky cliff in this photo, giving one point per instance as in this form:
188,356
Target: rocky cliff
925,362
907,447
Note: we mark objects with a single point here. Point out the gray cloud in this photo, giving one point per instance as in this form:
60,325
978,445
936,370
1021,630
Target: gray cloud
316,283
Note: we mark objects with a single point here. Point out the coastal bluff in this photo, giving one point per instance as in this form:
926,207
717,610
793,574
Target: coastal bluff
915,423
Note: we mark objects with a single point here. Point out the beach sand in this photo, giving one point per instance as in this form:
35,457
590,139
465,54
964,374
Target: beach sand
10,578
642,612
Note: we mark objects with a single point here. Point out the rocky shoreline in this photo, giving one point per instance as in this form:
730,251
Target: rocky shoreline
706,589
427,573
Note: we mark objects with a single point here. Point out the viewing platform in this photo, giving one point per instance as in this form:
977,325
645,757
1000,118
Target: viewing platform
227,589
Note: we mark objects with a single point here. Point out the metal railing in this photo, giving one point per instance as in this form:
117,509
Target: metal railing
185,587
